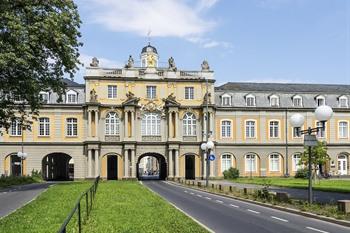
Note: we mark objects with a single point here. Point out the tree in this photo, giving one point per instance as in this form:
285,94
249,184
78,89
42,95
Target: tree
319,156
38,46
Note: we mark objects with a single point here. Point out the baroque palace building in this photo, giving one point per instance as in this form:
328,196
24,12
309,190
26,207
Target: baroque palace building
119,116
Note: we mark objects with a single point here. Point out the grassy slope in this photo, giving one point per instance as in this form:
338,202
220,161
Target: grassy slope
324,185
130,207
47,212
6,181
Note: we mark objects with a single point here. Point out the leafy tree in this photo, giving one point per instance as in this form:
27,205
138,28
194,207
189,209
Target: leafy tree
39,41
319,156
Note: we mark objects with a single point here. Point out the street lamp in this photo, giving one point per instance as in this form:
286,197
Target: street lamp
206,148
323,114
23,156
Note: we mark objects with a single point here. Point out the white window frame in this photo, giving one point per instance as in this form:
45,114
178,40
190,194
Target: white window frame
112,91
44,126
341,129
16,128
274,162
343,97
226,129
150,124
247,132
296,158
318,98
276,98
293,132
69,96
250,162
226,162
151,92
189,93
297,97
112,124
189,123
44,93
272,129
322,132
72,127
250,96
226,100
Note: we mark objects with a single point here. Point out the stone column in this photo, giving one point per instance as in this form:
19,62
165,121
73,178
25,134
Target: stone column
97,163
126,119
96,123
89,123
132,124
89,163
204,165
176,124
170,163
170,127
177,172
133,164
126,164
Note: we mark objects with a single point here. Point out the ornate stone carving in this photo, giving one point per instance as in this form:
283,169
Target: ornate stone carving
205,66
172,65
151,60
205,98
94,62
152,107
93,96
171,100
130,62
130,95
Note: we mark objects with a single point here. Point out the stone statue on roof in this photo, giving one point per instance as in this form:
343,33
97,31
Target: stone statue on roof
93,96
172,65
94,62
205,66
130,62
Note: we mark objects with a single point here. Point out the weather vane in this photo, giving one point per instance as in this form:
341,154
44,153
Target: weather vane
149,36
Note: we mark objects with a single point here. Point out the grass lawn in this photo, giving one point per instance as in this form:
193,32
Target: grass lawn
323,185
123,206
47,212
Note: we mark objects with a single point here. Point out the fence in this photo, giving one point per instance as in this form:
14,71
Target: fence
89,195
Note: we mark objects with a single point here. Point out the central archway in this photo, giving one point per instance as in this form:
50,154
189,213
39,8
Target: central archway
157,169
58,166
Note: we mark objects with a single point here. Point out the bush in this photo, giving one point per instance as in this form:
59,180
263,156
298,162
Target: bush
302,173
6,181
231,173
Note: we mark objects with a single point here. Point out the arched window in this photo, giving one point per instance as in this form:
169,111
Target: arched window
150,125
226,162
112,124
250,163
296,162
189,124
274,162
250,100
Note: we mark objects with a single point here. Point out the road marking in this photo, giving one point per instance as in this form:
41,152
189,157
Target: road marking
253,211
192,193
185,191
218,201
314,229
281,219
199,195
236,206
208,198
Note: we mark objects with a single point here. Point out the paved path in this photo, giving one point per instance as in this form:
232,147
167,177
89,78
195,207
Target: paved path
221,214
319,196
15,197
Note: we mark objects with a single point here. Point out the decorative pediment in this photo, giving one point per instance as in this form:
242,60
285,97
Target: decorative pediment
151,106
131,99
171,101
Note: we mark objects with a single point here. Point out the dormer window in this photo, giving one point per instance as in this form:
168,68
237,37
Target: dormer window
297,101
44,97
226,100
71,97
320,100
250,100
343,101
274,101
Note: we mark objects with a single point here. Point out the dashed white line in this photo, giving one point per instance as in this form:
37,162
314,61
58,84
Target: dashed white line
218,201
315,229
253,211
208,198
199,195
280,219
185,191
192,193
236,206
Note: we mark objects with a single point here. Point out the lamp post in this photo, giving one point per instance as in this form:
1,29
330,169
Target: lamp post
21,153
206,148
323,114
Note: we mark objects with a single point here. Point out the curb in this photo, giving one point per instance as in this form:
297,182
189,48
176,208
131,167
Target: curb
286,209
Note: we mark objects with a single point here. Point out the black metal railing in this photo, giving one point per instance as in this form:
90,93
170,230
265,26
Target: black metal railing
89,195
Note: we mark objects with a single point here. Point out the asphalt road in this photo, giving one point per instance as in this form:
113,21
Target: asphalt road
15,197
221,214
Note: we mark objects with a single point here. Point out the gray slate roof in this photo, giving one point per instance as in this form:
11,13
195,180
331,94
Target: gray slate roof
285,87
71,83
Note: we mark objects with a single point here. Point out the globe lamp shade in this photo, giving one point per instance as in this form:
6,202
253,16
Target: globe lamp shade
297,120
323,113
204,146
210,145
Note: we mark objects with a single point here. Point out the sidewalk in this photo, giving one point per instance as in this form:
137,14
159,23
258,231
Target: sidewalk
319,196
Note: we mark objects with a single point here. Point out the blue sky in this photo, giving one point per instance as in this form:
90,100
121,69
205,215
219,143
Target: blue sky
243,40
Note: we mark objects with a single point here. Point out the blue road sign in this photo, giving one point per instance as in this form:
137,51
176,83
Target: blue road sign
211,157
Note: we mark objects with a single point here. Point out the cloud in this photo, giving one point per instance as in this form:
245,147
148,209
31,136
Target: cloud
209,43
277,4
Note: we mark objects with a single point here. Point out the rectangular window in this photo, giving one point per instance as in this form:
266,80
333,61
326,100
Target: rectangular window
250,101
226,101
226,129
71,98
151,92
250,163
343,102
44,126
297,132
274,129
296,162
189,93
321,133
320,101
44,97
16,128
343,129
297,102
250,129
72,127
274,163
112,91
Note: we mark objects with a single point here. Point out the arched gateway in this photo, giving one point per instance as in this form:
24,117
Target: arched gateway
155,167
58,166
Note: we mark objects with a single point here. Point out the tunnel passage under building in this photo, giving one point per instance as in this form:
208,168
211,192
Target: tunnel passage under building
58,166
151,166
